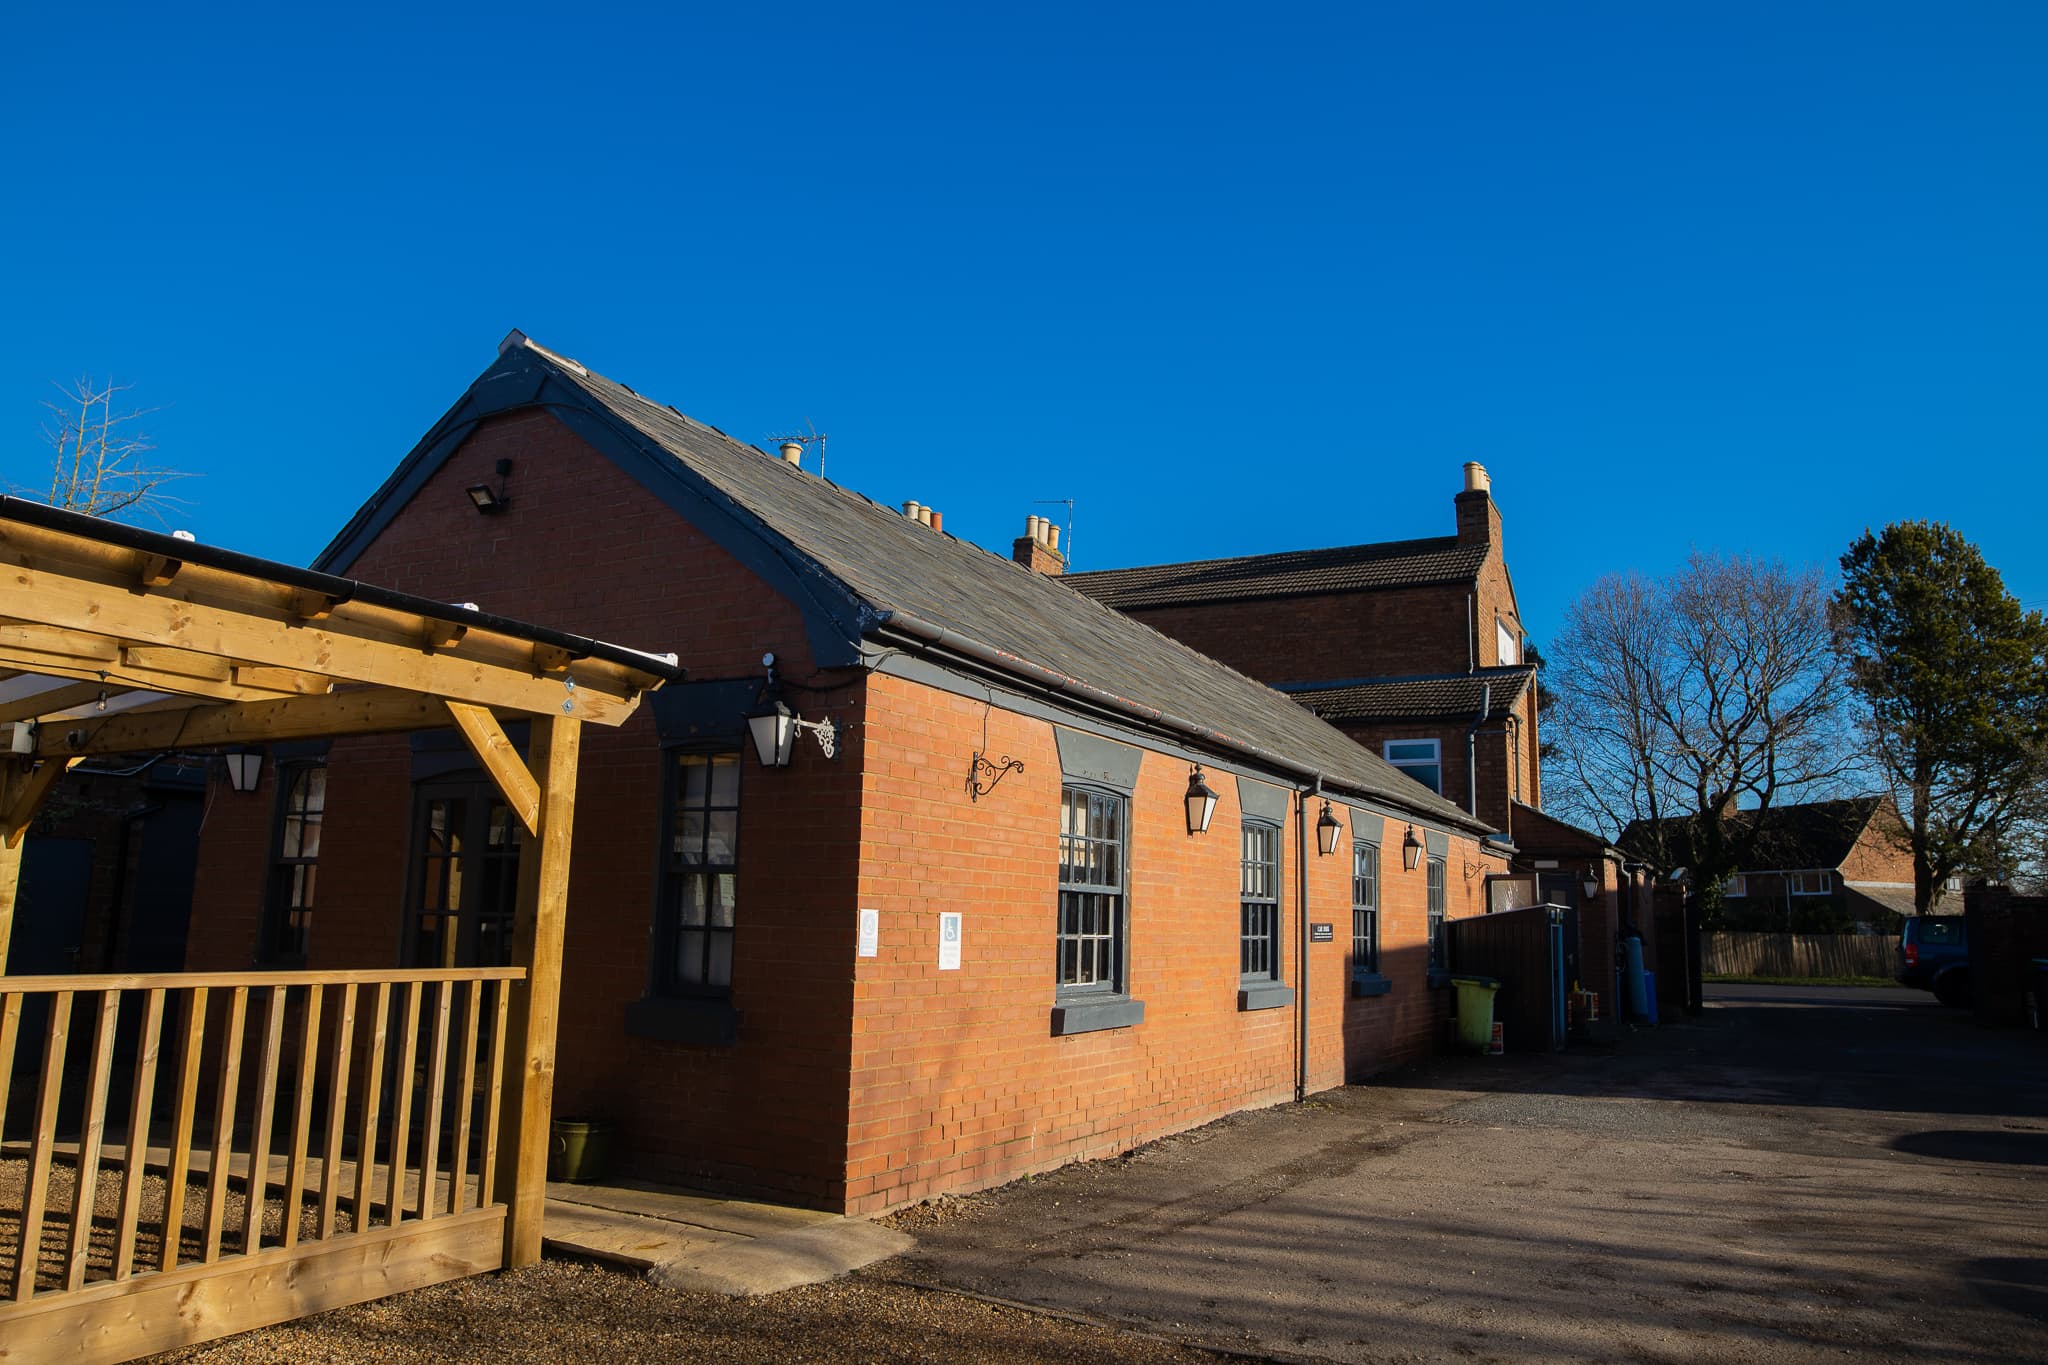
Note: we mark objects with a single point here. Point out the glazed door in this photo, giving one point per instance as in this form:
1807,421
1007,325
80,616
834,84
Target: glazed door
465,876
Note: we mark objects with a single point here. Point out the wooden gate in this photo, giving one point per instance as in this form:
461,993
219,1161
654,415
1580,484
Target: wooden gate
1523,950
189,1155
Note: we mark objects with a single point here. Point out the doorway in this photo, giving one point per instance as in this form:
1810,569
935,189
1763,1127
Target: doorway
464,875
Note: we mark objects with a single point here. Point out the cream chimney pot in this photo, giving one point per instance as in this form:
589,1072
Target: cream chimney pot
1475,478
793,452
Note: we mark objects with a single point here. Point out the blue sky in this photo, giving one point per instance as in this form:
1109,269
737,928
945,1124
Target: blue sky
1744,278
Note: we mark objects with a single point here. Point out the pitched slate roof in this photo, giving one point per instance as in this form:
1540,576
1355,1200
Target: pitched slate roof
872,572
1291,573
1814,835
1418,698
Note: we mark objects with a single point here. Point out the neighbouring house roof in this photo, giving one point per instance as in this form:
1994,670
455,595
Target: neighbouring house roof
1291,573
1811,836
1429,697
861,571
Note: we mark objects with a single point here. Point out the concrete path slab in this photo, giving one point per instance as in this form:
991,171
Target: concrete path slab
685,1240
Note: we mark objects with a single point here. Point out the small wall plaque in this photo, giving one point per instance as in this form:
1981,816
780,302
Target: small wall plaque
870,932
1322,933
949,941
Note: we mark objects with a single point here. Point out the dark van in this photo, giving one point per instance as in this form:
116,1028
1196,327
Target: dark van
1934,954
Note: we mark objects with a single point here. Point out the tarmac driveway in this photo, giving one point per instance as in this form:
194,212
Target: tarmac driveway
1803,1173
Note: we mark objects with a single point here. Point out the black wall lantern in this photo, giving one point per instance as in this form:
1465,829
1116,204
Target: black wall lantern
775,727
1201,802
1327,830
245,768
1411,850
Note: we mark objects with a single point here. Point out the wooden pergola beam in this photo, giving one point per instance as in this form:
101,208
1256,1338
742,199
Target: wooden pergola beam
22,792
65,585
494,749
361,711
62,697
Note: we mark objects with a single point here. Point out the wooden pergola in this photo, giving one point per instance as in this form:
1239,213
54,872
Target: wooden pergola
116,640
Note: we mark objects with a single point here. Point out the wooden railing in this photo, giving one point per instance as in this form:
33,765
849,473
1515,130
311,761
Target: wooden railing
374,1107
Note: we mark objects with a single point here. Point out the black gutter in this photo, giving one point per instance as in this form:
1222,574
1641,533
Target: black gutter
339,589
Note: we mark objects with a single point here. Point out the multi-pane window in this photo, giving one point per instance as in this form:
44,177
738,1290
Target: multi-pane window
1259,903
1365,908
1421,759
1088,956
295,861
466,845
1812,883
702,869
1439,948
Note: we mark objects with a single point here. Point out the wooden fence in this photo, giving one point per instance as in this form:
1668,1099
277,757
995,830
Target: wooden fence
1800,955
136,1216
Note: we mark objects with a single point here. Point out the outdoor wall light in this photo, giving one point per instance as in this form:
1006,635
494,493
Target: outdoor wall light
245,769
1201,802
775,727
1411,850
1592,886
491,500
1327,830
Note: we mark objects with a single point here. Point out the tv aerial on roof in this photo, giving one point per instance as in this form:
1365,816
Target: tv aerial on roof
1068,533
803,440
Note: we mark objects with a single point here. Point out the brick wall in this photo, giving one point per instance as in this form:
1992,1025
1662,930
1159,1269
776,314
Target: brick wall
1881,852
855,1083
957,1079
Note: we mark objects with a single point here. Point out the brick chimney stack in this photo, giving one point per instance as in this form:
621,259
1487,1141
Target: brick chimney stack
1478,518
1038,549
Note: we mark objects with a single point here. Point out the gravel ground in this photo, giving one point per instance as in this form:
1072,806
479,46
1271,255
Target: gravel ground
1805,1176
56,1240
556,1312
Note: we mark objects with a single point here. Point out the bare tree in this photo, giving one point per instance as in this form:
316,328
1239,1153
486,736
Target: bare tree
100,457
1682,699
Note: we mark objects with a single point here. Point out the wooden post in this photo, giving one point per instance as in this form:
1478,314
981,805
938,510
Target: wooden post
22,790
10,882
537,946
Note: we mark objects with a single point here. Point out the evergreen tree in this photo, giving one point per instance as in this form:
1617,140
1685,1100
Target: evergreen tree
1955,676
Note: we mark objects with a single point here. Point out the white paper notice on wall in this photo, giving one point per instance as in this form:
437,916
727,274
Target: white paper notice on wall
949,941
870,932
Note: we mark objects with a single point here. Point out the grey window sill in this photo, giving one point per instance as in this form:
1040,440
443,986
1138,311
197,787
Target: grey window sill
1369,984
1264,995
679,1020
1093,1016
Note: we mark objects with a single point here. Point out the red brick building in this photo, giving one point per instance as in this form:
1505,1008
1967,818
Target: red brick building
1810,867
1413,647
965,933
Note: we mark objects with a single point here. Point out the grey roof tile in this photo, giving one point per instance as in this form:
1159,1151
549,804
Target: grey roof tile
1291,573
1450,694
895,565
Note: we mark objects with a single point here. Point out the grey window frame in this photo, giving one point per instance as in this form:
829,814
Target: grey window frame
1267,942
1268,989
1366,922
675,875
1095,1006
282,884
1437,882
1115,982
